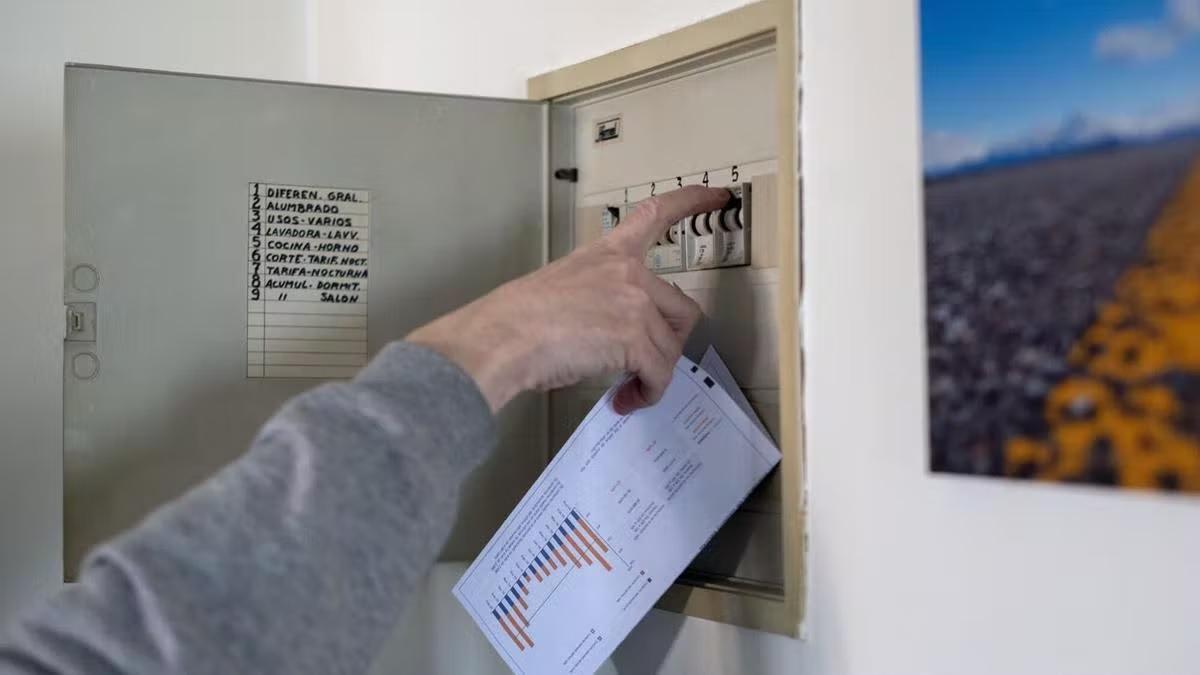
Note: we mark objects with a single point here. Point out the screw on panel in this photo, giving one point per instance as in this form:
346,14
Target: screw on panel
85,365
85,278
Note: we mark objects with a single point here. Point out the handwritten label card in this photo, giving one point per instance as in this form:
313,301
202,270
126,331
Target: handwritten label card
307,281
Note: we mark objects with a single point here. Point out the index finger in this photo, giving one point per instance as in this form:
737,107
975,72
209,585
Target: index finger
652,217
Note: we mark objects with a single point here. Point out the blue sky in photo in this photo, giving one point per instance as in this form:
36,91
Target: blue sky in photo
1011,72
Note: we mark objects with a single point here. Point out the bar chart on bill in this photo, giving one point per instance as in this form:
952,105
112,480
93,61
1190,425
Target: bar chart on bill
569,545
612,521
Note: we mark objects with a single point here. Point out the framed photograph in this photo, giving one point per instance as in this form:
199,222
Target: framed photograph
1061,158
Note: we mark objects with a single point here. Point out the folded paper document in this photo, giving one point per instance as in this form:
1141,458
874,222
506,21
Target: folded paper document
617,515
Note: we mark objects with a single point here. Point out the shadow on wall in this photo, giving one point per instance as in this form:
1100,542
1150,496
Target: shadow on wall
648,646
667,643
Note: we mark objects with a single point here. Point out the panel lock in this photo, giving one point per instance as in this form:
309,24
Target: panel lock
81,322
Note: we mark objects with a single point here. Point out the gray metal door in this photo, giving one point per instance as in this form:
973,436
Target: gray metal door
381,210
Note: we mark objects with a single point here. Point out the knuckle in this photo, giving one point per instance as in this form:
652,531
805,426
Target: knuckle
628,270
676,351
653,360
651,208
650,361
631,335
641,301
605,247
634,268
653,390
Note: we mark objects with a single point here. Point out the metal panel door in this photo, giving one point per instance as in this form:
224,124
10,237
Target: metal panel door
170,366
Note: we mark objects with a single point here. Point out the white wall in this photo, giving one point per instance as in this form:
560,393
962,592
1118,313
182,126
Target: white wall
920,573
261,38
483,48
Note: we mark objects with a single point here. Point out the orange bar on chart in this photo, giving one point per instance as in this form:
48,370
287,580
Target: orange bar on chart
591,549
520,616
603,562
557,553
521,632
508,630
548,559
575,546
508,597
567,550
590,532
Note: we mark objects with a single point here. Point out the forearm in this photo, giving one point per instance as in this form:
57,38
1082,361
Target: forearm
296,558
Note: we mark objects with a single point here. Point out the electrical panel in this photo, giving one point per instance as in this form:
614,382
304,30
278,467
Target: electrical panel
223,237
709,121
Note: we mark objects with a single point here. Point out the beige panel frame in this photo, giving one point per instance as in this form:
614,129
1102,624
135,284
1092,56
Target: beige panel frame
717,601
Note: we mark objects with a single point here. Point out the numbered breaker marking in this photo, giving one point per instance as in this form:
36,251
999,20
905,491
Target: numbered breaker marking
704,241
666,255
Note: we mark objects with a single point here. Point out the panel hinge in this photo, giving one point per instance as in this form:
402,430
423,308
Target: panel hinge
570,175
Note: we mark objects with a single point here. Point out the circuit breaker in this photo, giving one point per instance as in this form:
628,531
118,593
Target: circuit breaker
704,241
231,243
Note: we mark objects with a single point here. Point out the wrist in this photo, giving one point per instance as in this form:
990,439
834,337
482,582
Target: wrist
493,359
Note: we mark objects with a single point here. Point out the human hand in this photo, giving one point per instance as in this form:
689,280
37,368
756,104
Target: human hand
593,312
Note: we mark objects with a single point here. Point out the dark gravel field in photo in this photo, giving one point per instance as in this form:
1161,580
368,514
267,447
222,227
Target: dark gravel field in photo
1017,260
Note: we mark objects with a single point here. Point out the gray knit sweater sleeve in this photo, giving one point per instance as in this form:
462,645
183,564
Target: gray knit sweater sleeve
298,557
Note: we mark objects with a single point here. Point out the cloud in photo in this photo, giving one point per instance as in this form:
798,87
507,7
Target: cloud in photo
1184,14
1160,121
946,152
1136,43
1146,42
